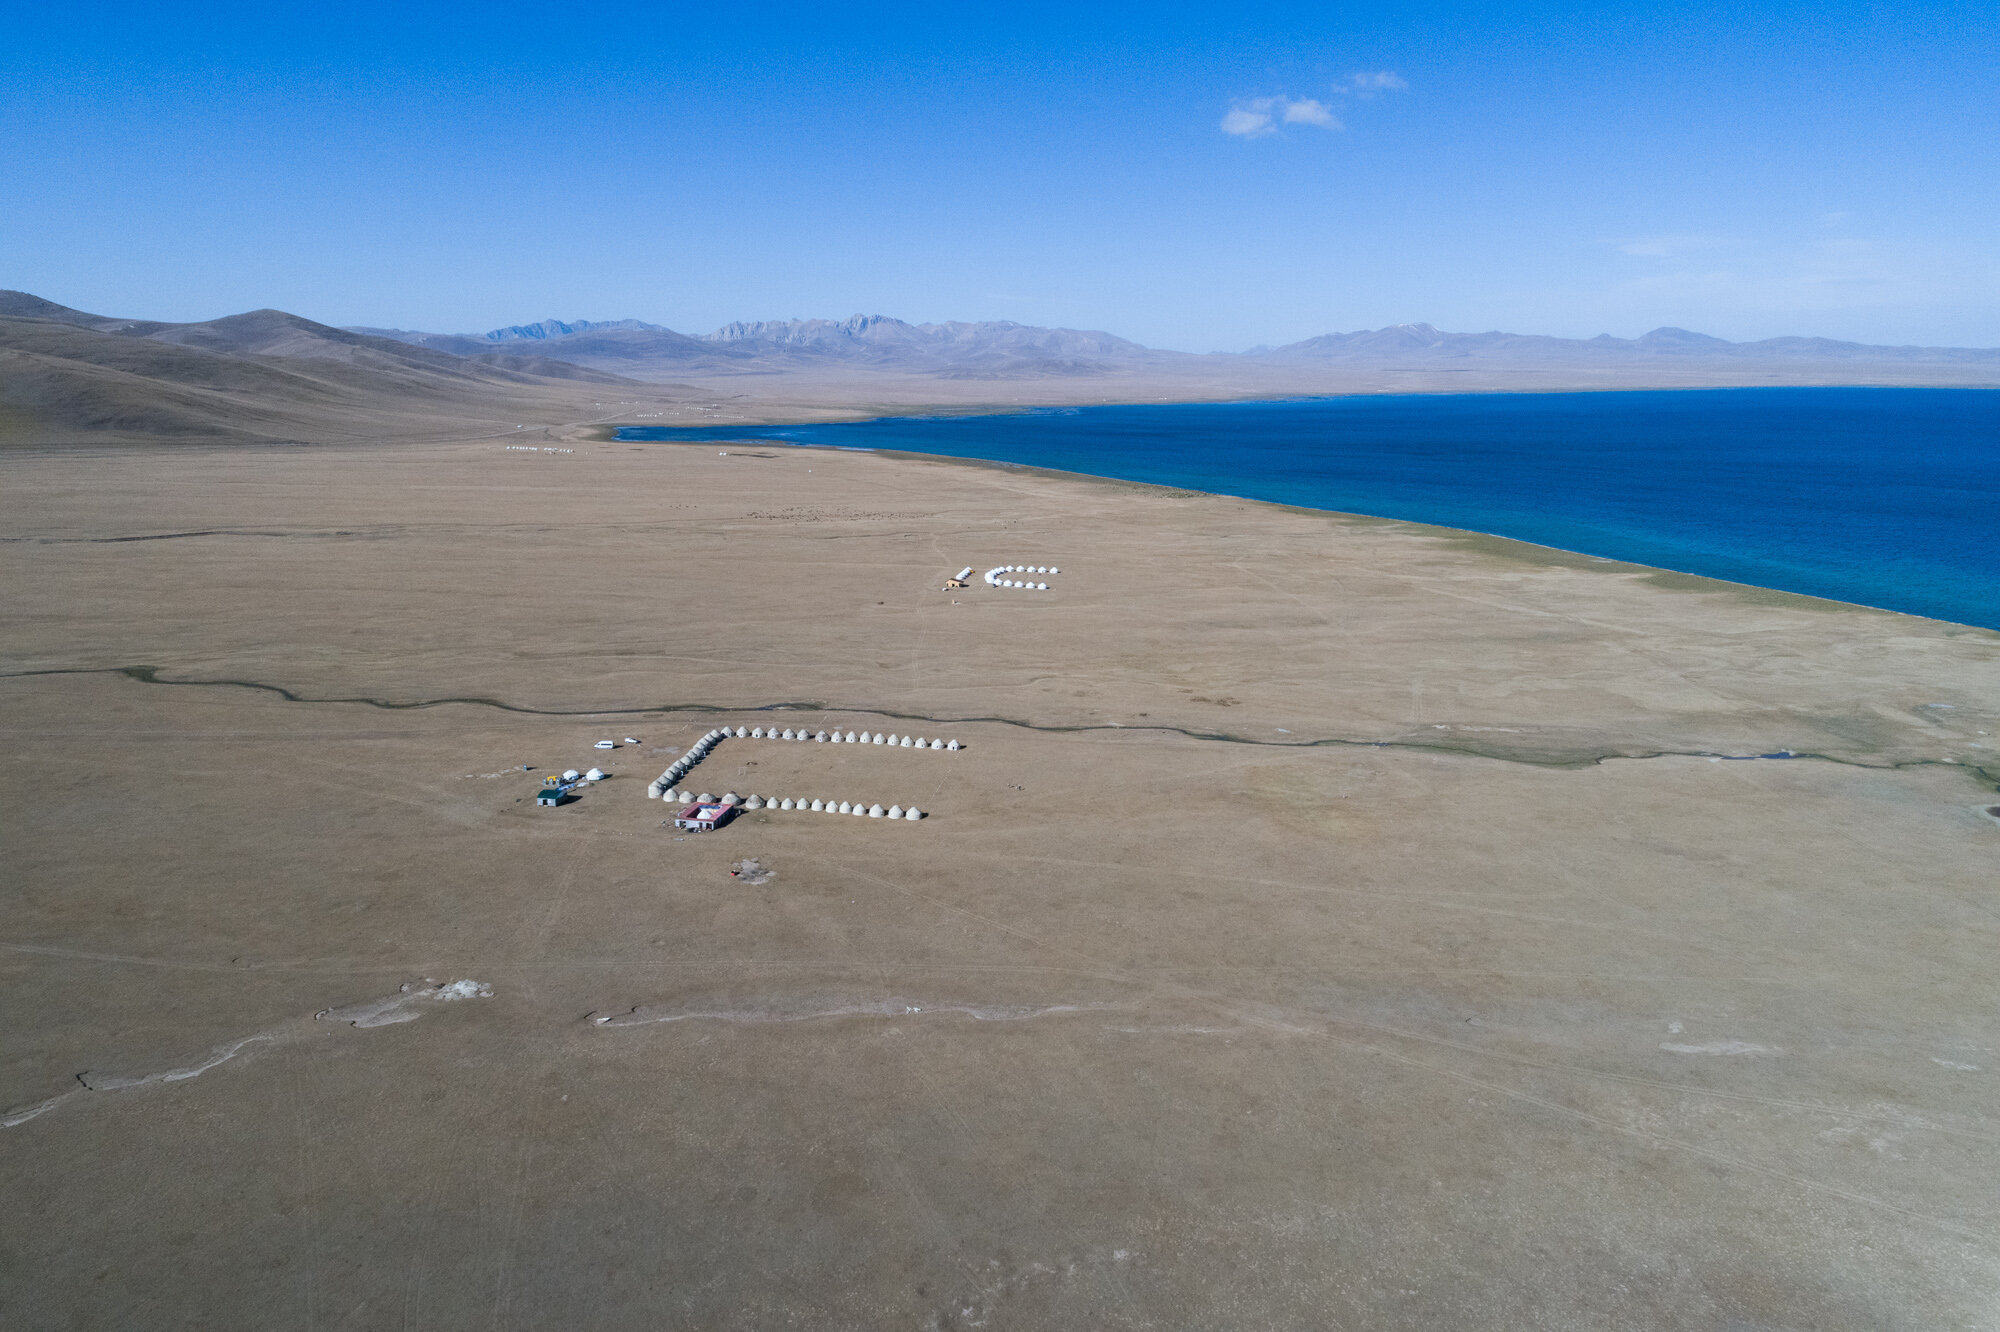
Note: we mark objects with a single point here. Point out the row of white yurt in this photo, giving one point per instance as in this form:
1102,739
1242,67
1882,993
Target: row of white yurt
874,811
695,753
900,741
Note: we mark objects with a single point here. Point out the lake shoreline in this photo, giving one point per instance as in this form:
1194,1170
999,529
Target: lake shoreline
1809,492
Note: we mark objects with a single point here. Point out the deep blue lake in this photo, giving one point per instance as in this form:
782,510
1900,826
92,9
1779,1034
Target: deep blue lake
1883,496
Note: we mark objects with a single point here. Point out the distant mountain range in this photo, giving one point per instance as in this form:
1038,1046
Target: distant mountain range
1005,350
1421,341
993,350
65,373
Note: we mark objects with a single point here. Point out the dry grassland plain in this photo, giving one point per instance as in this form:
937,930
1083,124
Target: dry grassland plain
1329,922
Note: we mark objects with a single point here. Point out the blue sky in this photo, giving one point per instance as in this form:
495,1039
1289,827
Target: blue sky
1208,178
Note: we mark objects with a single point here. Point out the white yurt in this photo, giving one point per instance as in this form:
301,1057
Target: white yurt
877,739
571,775
754,802
913,813
857,811
953,744
895,811
820,736
875,811
705,798
731,798
907,742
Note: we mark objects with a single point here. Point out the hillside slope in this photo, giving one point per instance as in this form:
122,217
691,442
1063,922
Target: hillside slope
264,375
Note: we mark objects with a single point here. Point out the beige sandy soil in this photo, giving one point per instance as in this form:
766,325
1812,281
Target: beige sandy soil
1328,923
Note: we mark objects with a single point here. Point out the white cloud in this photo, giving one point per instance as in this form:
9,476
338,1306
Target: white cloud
1376,81
1258,116
1251,120
1309,112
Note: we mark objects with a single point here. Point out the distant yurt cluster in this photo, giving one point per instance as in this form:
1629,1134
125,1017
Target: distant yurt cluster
667,785
854,807
994,578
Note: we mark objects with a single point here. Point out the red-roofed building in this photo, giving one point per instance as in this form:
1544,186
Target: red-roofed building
704,817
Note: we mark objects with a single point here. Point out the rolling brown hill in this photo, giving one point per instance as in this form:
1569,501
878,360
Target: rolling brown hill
67,375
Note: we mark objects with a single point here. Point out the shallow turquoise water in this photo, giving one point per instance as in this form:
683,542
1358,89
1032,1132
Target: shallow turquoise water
1887,497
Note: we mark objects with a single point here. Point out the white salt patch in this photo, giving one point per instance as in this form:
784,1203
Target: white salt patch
1717,1048
21,1114
221,1054
404,1006
807,1010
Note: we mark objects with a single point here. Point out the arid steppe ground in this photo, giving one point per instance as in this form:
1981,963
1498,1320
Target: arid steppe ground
1329,922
